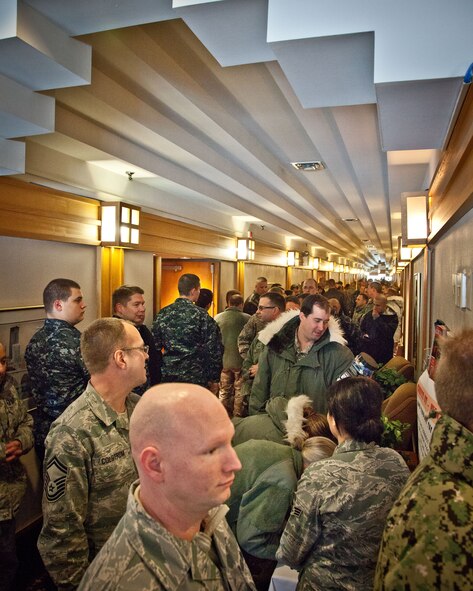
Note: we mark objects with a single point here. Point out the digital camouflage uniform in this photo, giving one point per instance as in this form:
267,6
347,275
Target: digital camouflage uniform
248,334
15,423
56,371
428,540
88,469
141,555
191,343
338,515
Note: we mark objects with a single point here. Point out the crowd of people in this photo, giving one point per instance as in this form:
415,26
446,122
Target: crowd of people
198,454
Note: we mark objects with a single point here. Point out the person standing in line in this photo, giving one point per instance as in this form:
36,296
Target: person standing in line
251,303
88,466
189,337
128,303
56,371
16,439
174,534
231,322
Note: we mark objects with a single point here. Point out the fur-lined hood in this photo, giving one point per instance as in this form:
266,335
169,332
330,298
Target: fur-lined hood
295,433
280,332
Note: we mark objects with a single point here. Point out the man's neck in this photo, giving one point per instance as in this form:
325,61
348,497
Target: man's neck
304,344
114,394
182,525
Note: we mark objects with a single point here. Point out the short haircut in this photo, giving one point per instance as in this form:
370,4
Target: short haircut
277,289
205,298
454,378
261,279
376,285
314,300
295,286
392,291
123,294
58,289
276,299
317,448
364,296
229,294
187,283
99,341
293,298
355,405
236,300
331,282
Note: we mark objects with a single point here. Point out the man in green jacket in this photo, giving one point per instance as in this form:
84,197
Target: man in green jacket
307,355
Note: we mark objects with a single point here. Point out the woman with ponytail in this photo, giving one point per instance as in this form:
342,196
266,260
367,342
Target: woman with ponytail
341,504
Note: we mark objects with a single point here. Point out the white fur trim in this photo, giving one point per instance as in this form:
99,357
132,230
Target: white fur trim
336,333
295,419
275,326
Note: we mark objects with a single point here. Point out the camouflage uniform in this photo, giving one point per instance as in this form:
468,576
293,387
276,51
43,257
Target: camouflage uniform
248,334
142,555
15,423
191,341
88,469
56,371
428,540
339,511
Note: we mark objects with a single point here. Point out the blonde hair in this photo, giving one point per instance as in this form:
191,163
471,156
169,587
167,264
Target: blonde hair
317,448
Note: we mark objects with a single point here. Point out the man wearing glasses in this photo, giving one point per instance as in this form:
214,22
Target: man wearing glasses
88,466
304,357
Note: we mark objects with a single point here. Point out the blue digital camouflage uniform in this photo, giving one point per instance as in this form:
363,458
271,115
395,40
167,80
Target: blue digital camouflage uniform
15,423
191,343
88,469
428,540
142,555
56,371
338,515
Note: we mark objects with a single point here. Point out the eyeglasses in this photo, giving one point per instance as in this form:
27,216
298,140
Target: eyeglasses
144,349
266,307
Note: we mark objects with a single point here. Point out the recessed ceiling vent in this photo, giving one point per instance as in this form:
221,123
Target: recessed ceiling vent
309,166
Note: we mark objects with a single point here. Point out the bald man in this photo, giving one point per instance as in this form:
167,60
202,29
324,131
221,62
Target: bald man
174,534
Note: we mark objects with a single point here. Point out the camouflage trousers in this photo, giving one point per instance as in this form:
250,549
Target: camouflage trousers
230,390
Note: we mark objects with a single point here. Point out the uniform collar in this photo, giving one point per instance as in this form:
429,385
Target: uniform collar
103,411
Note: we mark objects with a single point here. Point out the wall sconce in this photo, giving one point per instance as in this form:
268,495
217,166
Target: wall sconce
120,225
315,262
404,254
414,221
292,258
306,259
245,249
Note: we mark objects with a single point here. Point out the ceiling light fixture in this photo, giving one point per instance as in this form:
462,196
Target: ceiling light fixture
309,166
350,220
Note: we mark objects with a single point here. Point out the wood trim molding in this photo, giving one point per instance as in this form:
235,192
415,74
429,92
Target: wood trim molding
451,192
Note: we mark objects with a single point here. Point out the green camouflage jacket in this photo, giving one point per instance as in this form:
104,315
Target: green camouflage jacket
191,343
15,423
88,469
248,334
231,322
428,540
338,515
143,556
56,371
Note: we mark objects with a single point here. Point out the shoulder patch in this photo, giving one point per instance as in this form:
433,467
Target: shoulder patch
55,479
297,511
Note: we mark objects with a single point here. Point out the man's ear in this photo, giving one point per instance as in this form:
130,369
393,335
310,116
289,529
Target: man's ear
57,305
119,358
151,463
118,309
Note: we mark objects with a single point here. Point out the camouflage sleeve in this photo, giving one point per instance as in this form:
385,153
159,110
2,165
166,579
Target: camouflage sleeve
245,338
260,391
24,430
214,347
63,541
303,527
157,334
248,360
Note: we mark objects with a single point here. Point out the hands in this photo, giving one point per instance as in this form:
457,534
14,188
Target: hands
13,450
253,369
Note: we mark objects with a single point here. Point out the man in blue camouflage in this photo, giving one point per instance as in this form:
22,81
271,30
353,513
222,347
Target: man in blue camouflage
189,337
174,534
88,466
55,368
428,539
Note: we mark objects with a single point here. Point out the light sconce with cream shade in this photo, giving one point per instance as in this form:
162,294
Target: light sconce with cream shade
120,225
293,257
245,249
414,218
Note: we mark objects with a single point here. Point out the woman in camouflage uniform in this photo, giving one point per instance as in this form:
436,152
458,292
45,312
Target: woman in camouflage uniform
334,530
